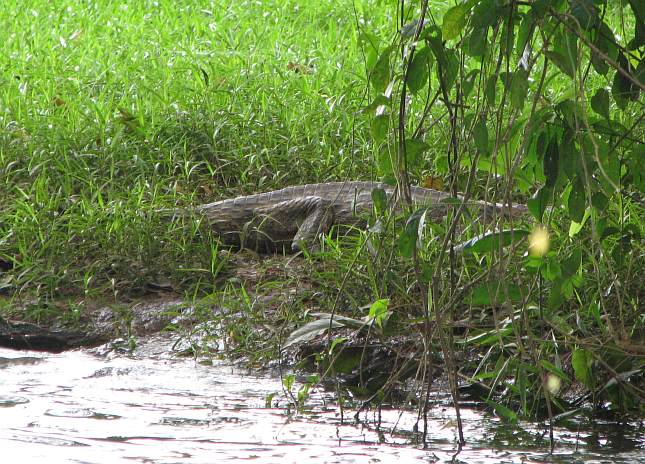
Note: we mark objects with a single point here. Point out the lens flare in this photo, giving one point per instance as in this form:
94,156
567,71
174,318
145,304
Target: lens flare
539,241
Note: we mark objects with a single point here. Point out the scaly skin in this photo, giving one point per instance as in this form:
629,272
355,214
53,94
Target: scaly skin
292,218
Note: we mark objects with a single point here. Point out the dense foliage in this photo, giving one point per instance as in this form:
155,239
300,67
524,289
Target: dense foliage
541,101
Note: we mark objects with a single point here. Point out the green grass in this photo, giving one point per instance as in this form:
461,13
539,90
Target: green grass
112,111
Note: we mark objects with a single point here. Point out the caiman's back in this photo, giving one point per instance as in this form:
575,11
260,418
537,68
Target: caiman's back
293,217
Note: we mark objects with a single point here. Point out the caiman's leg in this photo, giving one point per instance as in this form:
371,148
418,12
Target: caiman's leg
299,221
318,221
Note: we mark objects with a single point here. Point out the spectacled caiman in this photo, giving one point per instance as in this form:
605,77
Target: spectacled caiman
291,218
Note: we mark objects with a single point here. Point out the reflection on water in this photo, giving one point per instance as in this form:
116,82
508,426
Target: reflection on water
87,407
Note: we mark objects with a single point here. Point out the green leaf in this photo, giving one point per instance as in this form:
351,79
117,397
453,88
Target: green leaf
413,150
486,13
537,205
419,70
554,370
577,200
370,43
494,294
550,162
552,270
638,7
604,41
524,34
491,241
519,89
586,12
476,42
378,308
491,88
622,88
599,201
572,264
379,127
346,361
556,298
380,75
561,62
571,112
581,362
454,21
409,237
451,69
569,156
506,414
600,103
379,313
469,81
435,41
335,342
288,381
576,226
480,134
379,200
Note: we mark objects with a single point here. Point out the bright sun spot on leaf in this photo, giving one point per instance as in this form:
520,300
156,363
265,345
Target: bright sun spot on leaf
539,241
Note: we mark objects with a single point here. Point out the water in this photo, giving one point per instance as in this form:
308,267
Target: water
96,406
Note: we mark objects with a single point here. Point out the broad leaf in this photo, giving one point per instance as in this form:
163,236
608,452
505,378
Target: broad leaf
586,12
537,205
581,362
490,90
408,239
379,127
454,21
572,264
550,162
604,41
622,88
419,70
576,226
379,200
379,313
494,294
469,82
491,241
408,30
476,42
380,75
519,89
413,150
370,43
561,62
506,414
480,134
554,370
600,103
577,201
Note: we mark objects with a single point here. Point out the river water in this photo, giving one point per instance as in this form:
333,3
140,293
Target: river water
99,406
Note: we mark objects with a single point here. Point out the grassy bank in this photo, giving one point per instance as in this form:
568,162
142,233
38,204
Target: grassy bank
112,111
